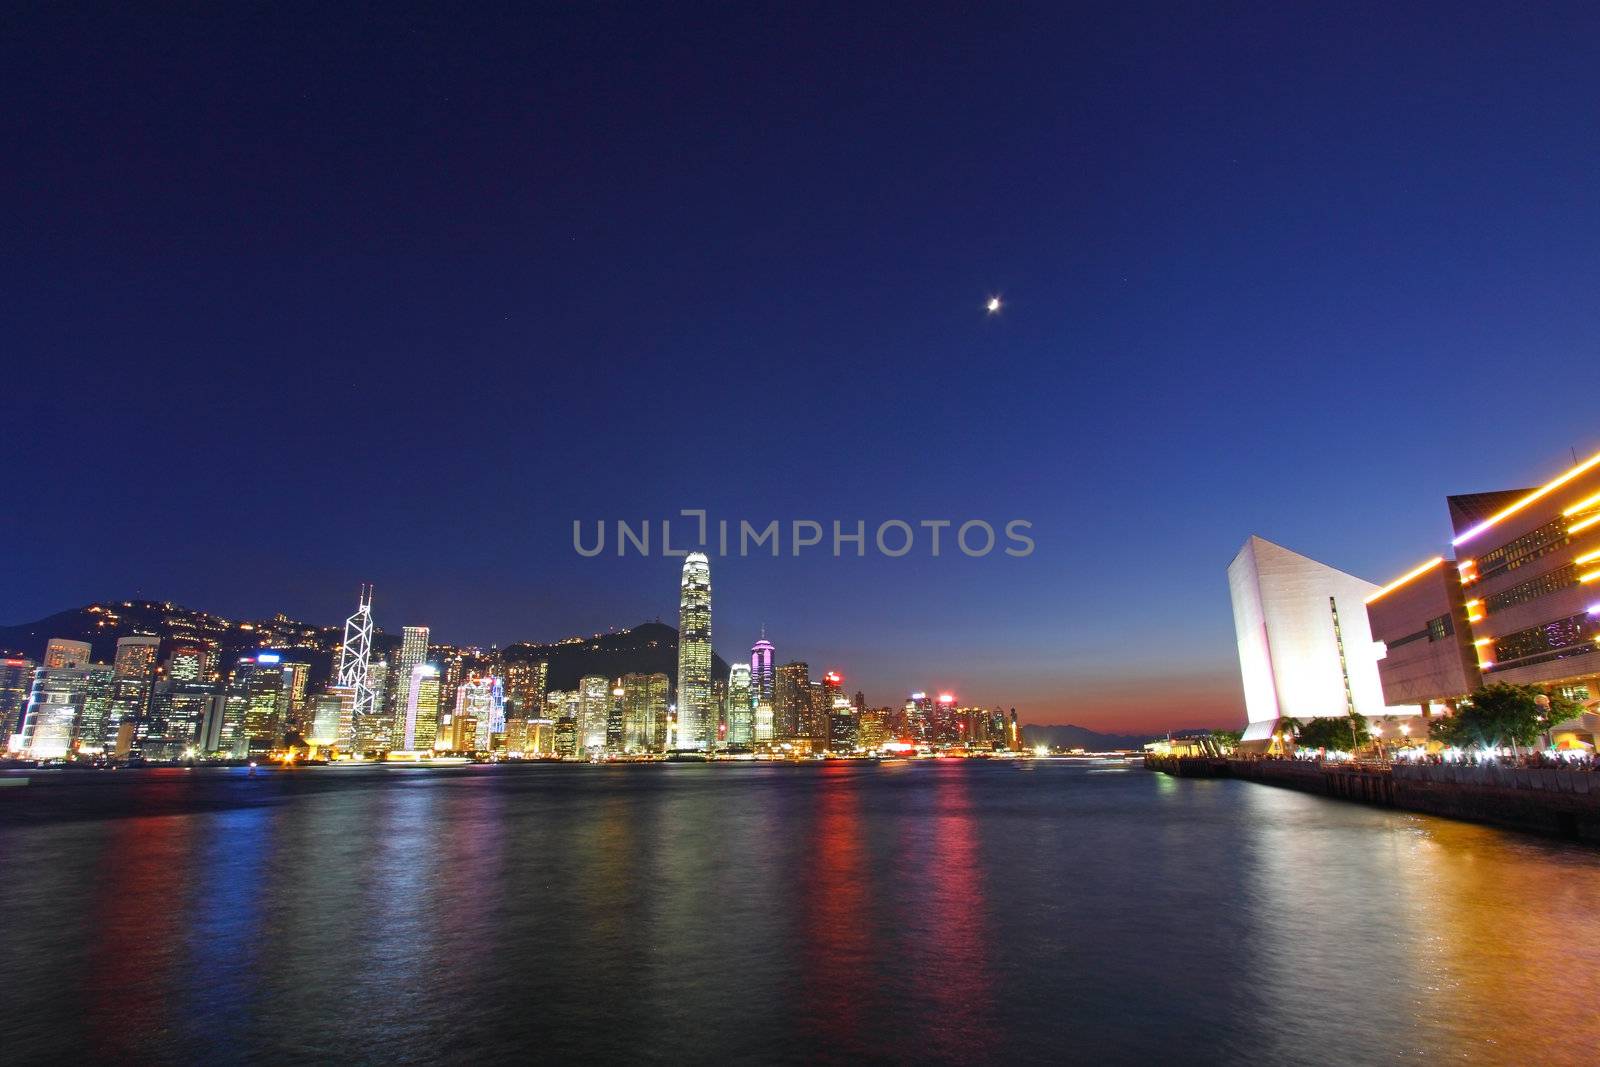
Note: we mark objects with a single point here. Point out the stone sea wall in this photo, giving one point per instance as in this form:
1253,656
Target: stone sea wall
1546,800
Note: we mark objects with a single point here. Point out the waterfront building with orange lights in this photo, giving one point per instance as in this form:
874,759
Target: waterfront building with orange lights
1519,603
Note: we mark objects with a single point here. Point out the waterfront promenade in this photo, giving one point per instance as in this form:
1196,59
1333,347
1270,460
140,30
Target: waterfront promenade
1549,800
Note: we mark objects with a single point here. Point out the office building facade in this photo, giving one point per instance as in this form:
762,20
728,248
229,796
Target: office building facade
1514,599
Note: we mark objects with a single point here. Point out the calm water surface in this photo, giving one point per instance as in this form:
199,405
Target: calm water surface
940,911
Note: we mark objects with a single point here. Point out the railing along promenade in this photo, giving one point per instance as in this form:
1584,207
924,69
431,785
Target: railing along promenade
1563,801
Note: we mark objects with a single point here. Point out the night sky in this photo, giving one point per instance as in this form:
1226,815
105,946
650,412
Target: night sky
295,298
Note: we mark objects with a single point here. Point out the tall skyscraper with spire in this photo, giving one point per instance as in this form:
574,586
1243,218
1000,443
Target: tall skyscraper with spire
354,655
694,653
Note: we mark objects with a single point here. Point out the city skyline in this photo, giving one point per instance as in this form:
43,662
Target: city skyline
815,532
408,324
257,694
375,700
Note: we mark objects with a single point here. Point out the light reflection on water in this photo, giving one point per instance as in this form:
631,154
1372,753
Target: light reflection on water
948,911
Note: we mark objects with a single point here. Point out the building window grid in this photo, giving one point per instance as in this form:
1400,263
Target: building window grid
1553,582
1529,661
1536,544
1556,639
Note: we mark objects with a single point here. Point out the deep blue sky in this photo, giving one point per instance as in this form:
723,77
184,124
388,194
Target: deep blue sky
293,299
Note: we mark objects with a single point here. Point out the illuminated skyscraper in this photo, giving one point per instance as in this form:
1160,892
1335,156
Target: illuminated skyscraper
64,652
694,654
792,701
525,712
421,723
327,711
55,705
296,717
614,720
566,736
740,713
816,728
136,655
872,727
16,683
761,677
413,653
376,732
97,726
189,661
525,688
919,718
824,696
594,709
178,709
541,737
345,732
946,721
355,655
480,713
413,648
842,726
250,710
762,731
495,725
717,720
133,674
644,712
452,672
